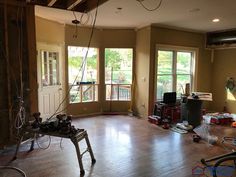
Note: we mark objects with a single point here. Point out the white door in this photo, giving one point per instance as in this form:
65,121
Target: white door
49,79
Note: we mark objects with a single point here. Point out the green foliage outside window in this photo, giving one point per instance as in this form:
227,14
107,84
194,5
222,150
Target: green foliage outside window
118,66
173,66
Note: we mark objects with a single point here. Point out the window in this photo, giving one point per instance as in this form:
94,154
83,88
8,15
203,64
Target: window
49,61
118,73
82,74
174,69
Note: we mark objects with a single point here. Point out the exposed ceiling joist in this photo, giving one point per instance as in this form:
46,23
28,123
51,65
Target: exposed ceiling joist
89,5
72,4
75,5
51,2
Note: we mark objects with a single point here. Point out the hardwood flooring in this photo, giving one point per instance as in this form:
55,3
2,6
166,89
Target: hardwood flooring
123,147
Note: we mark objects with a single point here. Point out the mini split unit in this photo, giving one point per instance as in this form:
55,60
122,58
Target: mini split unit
221,38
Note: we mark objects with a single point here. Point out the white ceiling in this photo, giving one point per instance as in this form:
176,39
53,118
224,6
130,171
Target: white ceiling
194,15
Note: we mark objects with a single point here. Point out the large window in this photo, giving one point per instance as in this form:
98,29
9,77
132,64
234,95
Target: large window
118,73
82,74
174,71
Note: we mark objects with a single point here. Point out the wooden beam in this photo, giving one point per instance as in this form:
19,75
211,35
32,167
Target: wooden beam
72,4
51,2
32,57
37,2
10,121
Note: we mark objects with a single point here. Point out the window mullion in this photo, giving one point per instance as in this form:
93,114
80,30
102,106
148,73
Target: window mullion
48,69
118,92
174,70
81,93
191,70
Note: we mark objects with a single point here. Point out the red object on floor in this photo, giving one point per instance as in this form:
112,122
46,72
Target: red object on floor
221,121
168,111
233,124
154,120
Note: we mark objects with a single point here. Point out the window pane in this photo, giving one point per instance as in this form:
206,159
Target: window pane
112,92
95,93
118,66
86,70
75,94
50,73
184,62
165,59
164,84
90,93
87,92
108,92
124,92
182,80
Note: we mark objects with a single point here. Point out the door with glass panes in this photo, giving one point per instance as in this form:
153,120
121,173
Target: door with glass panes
49,79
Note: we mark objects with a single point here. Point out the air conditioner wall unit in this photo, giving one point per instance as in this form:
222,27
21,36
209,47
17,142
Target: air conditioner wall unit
221,39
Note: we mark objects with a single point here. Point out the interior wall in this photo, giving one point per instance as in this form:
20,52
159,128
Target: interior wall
102,38
144,41
142,65
223,68
175,37
50,33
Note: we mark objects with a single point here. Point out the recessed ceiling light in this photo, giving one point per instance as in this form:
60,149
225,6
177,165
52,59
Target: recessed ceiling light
118,10
216,20
194,10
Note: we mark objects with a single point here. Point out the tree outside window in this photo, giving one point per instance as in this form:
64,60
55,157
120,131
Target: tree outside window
118,73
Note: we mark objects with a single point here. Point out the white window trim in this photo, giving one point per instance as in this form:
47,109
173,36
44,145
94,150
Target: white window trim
195,52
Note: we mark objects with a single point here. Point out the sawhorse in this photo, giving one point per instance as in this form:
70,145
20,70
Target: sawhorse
75,138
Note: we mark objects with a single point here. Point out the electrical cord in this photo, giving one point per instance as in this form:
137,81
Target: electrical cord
14,168
37,141
76,22
82,66
87,19
230,141
20,118
155,8
61,143
21,115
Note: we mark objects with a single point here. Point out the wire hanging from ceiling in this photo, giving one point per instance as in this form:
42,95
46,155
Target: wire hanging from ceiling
85,20
76,22
81,68
148,9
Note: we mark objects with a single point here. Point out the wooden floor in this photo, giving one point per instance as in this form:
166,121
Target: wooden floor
123,146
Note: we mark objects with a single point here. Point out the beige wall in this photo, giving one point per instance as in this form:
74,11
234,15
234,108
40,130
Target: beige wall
55,33
224,67
49,31
142,65
102,38
144,43
165,36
